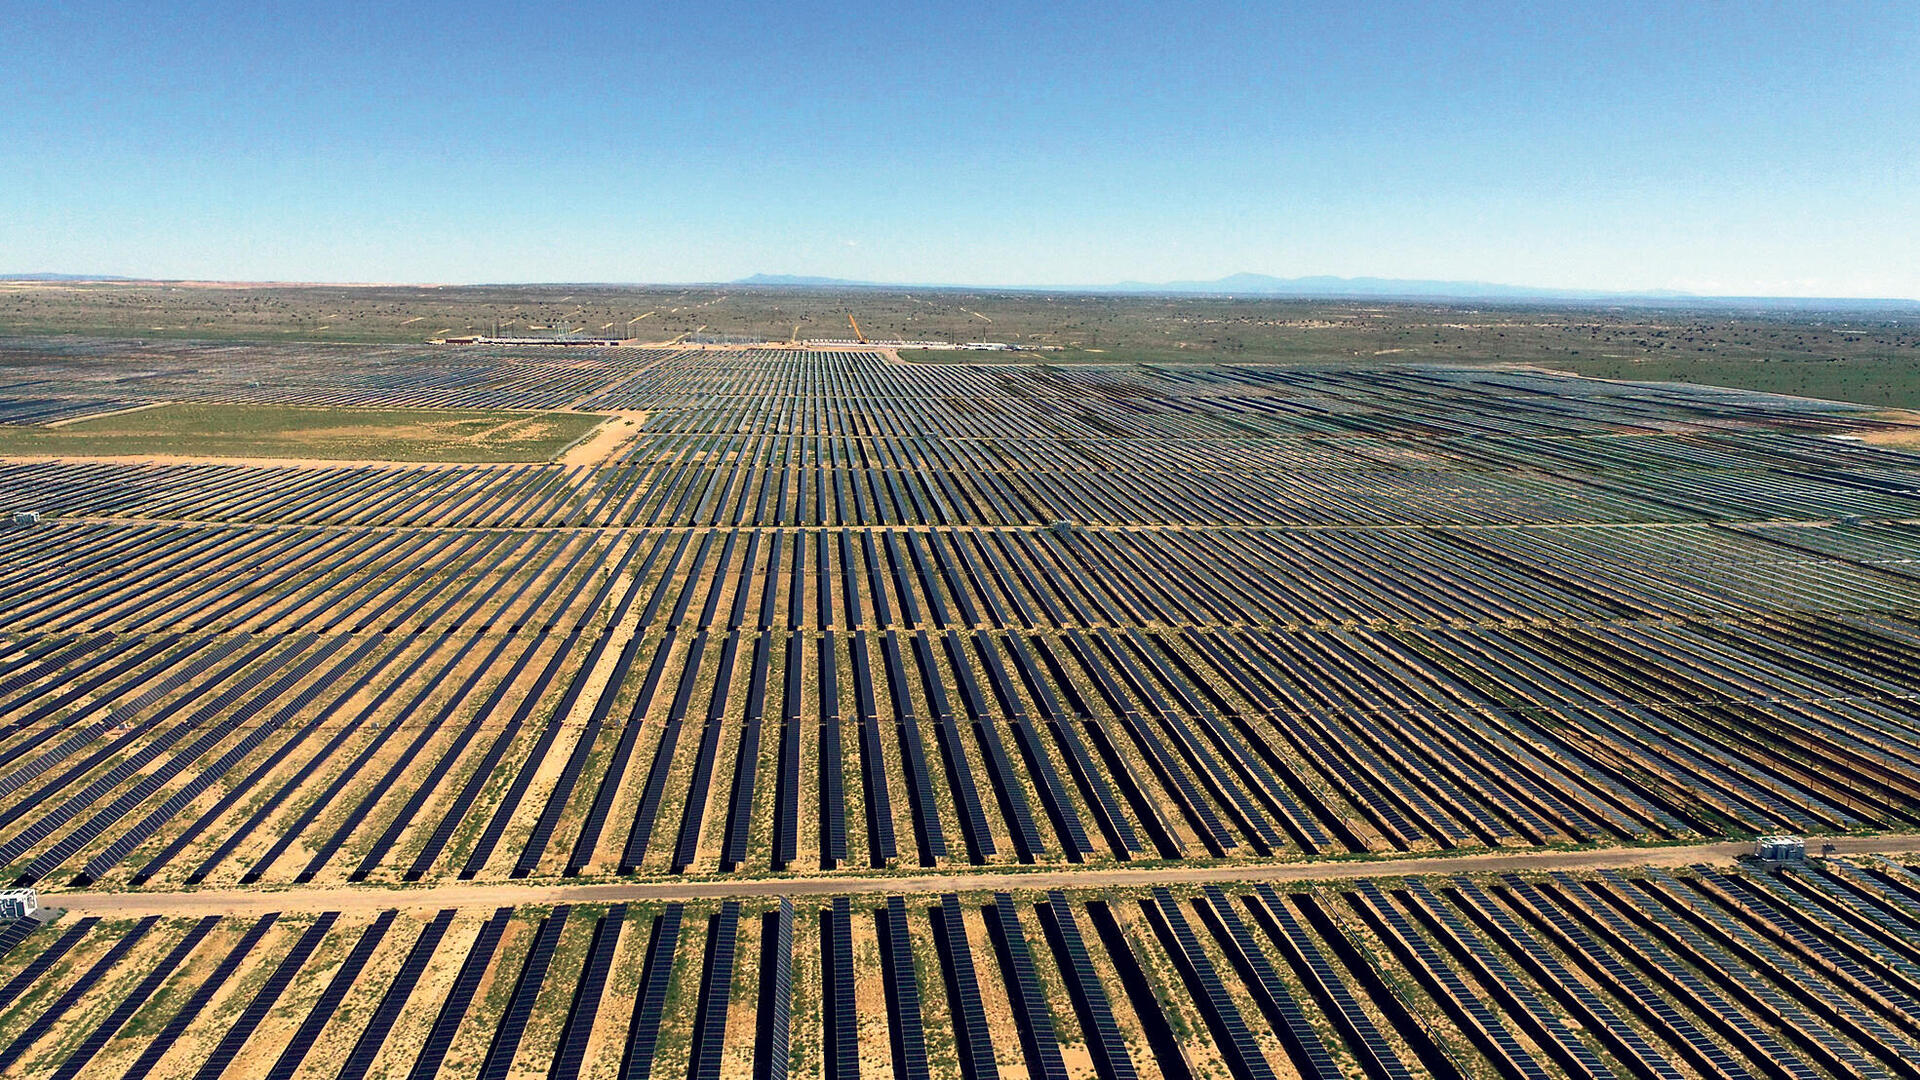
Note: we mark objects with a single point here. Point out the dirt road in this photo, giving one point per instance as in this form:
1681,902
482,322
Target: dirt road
462,894
598,447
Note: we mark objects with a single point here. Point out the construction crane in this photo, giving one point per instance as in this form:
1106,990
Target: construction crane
855,323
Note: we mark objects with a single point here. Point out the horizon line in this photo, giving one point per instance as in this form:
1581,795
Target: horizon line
1518,293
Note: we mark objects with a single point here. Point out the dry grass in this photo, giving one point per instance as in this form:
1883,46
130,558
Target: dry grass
289,431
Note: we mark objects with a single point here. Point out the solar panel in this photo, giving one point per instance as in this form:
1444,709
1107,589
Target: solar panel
971,1035
523,777
1047,782
1451,991
648,809
1620,1036
842,1011
1031,1011
366,1049
46,959
833,798
687,847
583,746
1837,1053
329,1001
643,1032
183,796
97,1039
903,992
1105,1044
771,1057
133,763
786,795
264,999
616,770
571,1052
1290,1021
1237,1046
1320,974
1106,808
1141,993
1677,978
873,767
716,991
930,836
1609,970
453,1008
740,799
1548,1028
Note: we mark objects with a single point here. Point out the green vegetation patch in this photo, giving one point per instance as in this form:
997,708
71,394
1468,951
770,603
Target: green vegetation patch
1890,382
294,431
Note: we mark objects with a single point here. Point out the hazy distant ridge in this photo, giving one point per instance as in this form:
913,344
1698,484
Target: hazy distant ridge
62,277
1325,285
1359,288
807,280
1247,285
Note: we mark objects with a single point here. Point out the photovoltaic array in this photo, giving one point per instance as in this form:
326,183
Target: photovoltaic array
830,619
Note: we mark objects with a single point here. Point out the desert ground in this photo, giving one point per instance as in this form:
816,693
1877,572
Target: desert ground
1245,689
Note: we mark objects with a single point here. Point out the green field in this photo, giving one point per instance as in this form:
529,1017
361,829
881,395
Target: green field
1890,382
289,431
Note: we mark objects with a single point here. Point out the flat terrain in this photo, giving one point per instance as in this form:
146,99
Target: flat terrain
1851,353
223,430
823,713
1104,880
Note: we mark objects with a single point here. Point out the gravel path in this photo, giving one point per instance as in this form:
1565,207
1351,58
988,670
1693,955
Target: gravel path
463,894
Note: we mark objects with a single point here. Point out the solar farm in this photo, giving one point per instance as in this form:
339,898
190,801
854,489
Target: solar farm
819,713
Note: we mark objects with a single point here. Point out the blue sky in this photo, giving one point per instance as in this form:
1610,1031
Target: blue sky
1741,148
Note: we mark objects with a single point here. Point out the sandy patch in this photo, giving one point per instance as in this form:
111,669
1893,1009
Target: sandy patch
1905,435
600,445
104,415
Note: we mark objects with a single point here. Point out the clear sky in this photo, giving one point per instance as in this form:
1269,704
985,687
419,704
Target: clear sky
1744,148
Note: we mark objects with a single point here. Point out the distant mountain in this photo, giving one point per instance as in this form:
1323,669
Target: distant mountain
1369,288
1231,285
802,279
1261,285
62,277
1321,287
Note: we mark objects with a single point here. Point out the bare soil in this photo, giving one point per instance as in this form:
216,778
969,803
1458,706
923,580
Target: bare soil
463,894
